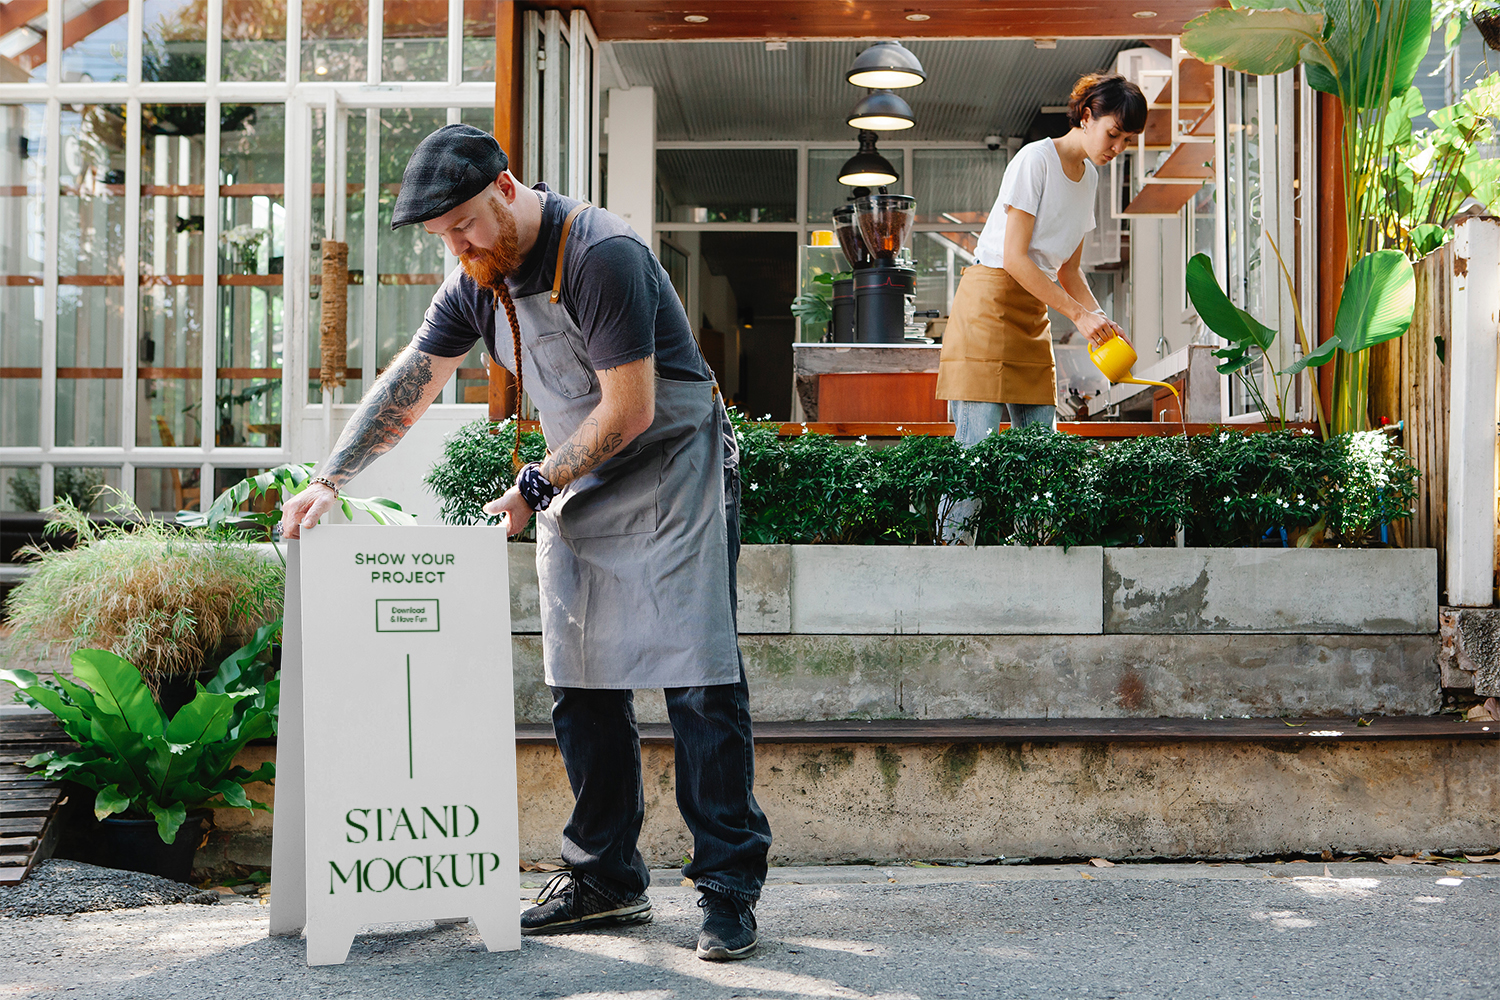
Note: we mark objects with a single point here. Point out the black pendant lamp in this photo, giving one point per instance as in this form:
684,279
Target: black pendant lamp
886,66
882,111
867,168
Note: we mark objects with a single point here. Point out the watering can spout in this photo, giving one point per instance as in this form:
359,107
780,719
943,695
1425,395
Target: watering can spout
1115,358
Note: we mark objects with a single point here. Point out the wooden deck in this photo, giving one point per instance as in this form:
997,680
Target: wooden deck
28,805
1379,728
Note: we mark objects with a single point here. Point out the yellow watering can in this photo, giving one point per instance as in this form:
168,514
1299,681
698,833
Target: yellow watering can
1116,358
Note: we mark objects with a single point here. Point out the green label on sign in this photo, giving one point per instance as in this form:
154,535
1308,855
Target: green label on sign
406,615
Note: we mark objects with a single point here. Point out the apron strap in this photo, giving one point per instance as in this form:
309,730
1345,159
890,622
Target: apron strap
562,244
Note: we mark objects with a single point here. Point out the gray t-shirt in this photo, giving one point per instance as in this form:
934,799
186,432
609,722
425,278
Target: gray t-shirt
616,291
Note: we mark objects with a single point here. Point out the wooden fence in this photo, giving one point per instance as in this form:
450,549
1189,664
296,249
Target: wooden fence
1409,382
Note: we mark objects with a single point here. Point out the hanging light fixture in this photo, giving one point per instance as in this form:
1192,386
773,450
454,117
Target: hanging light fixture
882,111
867,168
886,66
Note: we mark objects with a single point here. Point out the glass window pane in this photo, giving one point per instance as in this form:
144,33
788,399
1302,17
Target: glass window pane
91,281
726,185
175,41
85,486
414,40
22,248
166,491
23,49
564,118
20,488
354,226
479,41
411,262
335,39
252,175
824,192
254,40
169,405
956,185
98,54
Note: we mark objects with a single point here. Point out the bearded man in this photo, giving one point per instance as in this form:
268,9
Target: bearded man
637,508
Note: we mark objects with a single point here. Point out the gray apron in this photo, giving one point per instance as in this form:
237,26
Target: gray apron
632,558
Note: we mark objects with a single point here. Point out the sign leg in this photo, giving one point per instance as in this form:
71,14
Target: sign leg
289,827
329,944
500,931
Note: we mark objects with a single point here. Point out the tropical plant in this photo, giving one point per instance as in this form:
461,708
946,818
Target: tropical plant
137,761
284,481
1428,173
1364,52
163,597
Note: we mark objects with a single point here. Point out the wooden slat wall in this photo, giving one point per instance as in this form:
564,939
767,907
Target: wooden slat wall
1422,401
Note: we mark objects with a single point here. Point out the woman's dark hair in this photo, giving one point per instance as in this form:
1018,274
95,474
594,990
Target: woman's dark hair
1108,95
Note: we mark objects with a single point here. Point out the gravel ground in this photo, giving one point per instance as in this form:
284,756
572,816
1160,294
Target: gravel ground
60,888
1137,931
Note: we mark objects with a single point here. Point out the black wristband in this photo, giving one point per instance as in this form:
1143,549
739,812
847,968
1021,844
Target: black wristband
535,488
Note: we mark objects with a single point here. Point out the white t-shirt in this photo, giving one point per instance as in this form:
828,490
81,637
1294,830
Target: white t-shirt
1035,183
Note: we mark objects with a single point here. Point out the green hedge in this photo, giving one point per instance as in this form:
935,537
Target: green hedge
1227,488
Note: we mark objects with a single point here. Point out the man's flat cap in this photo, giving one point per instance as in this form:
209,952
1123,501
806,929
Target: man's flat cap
447,168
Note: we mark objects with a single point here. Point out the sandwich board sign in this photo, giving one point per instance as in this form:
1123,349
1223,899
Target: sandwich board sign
396,771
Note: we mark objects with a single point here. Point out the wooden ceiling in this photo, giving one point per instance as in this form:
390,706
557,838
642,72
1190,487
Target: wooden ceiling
659,20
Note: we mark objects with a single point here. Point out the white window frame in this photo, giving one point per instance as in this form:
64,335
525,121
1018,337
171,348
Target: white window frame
298,97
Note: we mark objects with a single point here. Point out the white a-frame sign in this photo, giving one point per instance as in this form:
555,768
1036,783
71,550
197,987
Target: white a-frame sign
396,770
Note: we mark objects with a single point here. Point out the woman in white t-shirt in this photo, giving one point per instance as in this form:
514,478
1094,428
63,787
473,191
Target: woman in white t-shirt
996,361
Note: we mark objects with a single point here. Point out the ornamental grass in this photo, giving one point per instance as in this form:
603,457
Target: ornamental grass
163,598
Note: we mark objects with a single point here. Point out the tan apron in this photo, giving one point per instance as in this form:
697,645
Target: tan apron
997,347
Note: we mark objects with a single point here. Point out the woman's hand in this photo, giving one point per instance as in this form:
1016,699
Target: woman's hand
1099,328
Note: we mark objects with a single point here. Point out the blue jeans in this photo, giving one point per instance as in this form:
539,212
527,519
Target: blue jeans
973,422
715,771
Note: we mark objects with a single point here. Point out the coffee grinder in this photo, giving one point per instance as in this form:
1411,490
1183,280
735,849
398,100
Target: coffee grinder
858,255
881,288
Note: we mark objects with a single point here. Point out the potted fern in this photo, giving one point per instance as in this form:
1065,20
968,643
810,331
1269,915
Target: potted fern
155,777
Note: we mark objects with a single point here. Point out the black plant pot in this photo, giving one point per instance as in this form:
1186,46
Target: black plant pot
133,845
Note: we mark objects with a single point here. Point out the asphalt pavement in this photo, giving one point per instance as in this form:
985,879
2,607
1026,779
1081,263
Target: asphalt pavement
863,933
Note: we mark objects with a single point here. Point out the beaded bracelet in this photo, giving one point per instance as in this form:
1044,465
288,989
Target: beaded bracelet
323,481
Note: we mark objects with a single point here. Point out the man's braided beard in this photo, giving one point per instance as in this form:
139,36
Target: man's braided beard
488,266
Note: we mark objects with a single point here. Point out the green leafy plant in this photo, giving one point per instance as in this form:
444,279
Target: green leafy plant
137,761
284,481
163,597
1228,488
1364,52
476,468
1245,334
79,486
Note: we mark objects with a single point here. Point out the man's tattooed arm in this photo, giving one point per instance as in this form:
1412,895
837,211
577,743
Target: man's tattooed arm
625,410
401,395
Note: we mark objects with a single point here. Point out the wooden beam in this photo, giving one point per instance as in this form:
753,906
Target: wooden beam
18,12
1333,233
76,30
508,69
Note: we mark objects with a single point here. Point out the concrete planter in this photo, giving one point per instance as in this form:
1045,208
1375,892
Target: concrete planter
1014,590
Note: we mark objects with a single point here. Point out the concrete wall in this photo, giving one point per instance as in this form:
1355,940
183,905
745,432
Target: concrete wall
857,802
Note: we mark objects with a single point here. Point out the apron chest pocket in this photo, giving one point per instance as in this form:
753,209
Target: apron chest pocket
560,368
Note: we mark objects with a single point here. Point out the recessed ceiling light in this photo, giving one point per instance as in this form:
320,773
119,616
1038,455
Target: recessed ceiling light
1144,13
695,18
918,17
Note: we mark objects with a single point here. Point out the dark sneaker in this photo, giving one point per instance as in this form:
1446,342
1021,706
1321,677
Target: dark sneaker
728,927
569,904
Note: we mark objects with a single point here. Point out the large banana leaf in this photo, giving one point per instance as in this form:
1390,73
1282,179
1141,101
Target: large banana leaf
1222,316
1262,42
1364,34
1379,297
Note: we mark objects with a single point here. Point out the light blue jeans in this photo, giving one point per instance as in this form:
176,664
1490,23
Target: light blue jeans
973,422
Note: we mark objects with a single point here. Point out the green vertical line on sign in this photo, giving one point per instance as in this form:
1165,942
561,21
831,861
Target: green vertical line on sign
410,766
